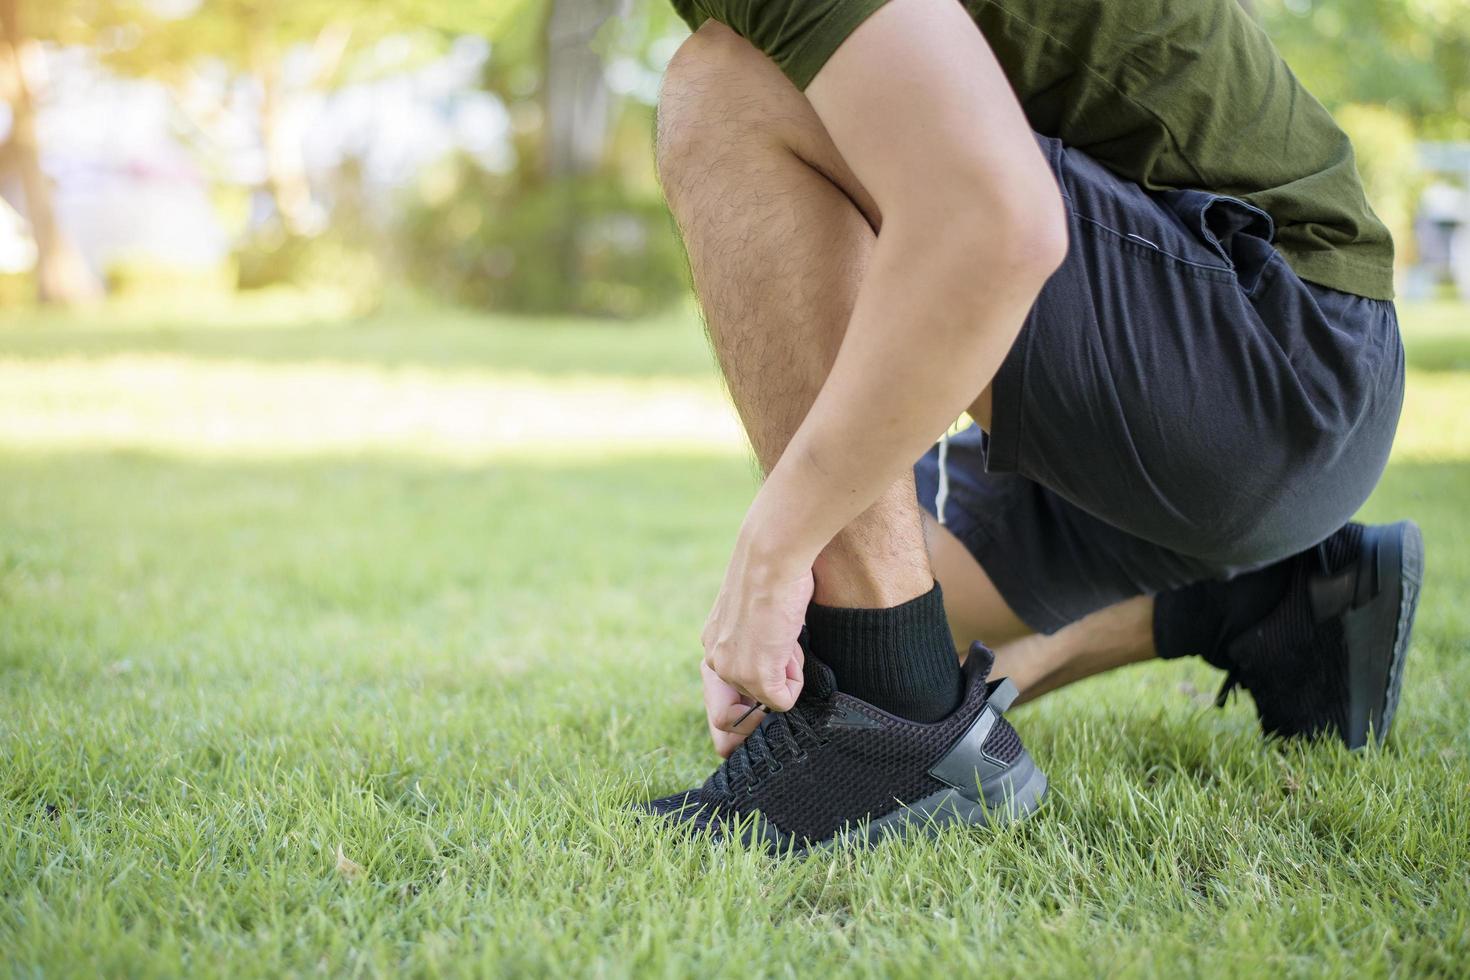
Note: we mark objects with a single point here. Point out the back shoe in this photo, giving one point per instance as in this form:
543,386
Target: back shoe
835,769
1329,659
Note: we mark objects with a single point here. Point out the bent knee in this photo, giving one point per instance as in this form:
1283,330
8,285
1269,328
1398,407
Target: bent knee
719,94
713,66
709,48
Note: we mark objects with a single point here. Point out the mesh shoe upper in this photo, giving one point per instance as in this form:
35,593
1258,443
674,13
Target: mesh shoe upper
840,762
1294,666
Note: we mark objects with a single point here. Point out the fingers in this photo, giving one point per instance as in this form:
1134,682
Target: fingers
736,725
725,743
752,638
732,715
723,706
779,692
741,719
774,684
795,674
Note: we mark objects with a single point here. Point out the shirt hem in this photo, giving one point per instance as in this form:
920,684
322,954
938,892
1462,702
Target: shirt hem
1342,272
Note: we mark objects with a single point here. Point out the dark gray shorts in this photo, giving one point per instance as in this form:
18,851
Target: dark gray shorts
1179,406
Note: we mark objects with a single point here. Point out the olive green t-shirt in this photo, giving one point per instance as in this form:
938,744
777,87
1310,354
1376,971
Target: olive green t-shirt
1166,93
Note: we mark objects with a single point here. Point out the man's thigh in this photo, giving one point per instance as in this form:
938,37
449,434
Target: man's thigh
1042,560
1178,383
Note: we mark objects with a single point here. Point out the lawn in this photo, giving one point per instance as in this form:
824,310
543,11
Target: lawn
318,655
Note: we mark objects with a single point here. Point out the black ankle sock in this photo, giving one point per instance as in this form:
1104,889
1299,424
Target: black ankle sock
900,659
1202,619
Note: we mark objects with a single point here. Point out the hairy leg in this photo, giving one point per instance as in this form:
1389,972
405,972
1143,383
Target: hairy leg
1038,663
1107,639
972,603
779,235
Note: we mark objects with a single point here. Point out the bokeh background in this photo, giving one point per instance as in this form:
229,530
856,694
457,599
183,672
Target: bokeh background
496,154
433,226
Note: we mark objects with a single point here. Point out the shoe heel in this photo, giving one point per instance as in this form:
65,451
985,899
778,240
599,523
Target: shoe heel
1015,793
1411,572
1009,796
1378,627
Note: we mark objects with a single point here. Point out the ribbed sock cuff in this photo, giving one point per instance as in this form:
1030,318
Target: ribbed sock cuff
901,659
1202,619
1186,622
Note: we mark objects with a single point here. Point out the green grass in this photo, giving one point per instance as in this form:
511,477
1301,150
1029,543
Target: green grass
383,712
266,329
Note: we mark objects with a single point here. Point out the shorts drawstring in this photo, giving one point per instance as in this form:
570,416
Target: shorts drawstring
941,495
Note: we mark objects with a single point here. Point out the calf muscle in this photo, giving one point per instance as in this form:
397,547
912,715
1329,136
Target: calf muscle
778,251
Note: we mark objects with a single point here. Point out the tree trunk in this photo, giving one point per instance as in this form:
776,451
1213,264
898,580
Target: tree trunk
62,275
578,102
285,169
578,115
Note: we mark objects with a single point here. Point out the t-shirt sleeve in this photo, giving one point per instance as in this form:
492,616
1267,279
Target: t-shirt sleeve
690,13
798,35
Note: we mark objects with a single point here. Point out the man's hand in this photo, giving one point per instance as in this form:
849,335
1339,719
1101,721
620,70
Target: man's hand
972,226
751,652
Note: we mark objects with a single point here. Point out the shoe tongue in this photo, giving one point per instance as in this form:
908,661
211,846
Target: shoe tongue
818,681
982,658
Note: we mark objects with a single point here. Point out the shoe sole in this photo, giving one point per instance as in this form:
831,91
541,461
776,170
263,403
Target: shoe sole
1012,795
1377,630
1008,797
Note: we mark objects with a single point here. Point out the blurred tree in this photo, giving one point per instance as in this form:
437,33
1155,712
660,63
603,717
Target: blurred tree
579,102
578,111
249,39
1387,159
578,195
1412,56
62,275
577,223
219,57
281,46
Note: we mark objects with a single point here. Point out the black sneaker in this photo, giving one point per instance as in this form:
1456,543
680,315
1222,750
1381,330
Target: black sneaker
1329,660
835,769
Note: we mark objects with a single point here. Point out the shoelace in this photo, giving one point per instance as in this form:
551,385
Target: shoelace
1232,681
758,755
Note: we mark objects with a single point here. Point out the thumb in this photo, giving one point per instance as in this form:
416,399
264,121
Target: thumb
782,691
795,673
741,719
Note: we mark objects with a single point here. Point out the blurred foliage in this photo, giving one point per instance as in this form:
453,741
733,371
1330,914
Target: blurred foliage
17,290
351,254
1383,143
253,40
143,277
1409,56
585,245
599,242
145,38
275,258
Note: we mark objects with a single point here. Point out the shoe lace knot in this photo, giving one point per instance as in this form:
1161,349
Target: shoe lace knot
782,738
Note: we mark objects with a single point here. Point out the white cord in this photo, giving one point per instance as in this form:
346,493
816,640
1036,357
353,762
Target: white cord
941,495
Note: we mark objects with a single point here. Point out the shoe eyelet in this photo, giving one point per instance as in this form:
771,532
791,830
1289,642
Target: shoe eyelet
774,768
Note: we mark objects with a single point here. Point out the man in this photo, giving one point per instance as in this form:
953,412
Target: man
1123,237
